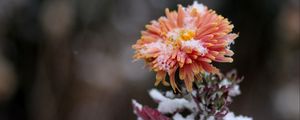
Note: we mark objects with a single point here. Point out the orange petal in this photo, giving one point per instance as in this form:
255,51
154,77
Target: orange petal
205,60
153,29
195,68
180,17
188,81
224,59
229,53
172,80
160,76
181,74
171,18
209,68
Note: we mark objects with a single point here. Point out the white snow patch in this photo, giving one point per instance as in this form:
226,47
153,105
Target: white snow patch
164,50
231,116
170,106
189,22
150,47
211,118
167,105
178,116
194,92
136,104
170,94
195,45
234,91
156,95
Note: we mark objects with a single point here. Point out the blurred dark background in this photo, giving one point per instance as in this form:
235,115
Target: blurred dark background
71,59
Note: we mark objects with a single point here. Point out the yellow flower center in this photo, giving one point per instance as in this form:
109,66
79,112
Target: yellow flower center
175,37
187,35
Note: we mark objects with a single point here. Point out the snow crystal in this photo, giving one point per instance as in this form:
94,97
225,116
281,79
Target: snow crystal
195,45
231,116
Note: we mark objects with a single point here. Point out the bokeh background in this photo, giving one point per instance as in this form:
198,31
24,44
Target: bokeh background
72,59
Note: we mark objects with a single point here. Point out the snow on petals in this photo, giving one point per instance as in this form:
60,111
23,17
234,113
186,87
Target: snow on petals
194,45
188,40
200,7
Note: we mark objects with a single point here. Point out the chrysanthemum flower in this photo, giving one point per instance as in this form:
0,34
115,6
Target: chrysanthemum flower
189,41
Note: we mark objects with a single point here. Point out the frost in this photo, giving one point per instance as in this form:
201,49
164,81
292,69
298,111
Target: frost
231,116
136,107
154,46
174,34
195,45
188,22
234,91
200,7
162,61
164,51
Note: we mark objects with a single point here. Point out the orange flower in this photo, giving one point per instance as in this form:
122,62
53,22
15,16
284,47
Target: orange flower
189,41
